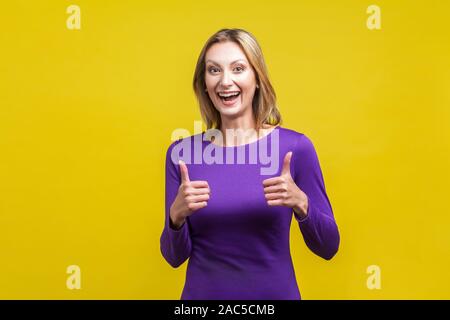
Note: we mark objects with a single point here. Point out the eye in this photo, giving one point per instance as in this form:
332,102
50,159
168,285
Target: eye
213,69
239,68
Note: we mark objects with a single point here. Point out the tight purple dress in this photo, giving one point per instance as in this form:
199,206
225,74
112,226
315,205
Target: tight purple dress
238,246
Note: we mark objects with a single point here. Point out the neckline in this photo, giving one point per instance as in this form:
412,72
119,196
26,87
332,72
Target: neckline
277,127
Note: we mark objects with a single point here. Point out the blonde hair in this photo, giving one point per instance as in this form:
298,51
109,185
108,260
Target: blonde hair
264,106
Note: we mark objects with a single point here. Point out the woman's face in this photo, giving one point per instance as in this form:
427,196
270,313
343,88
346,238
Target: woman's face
230,79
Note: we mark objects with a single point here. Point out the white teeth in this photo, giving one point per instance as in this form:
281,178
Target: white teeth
225,95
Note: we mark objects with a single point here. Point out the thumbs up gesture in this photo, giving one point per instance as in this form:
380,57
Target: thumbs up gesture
191,196
282,190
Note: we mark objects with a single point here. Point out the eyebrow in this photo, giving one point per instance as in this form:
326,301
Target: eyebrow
233,62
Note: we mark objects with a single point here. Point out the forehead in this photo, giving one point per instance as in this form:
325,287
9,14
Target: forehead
225,52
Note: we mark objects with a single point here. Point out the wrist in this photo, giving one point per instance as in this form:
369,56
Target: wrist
176,220
301,209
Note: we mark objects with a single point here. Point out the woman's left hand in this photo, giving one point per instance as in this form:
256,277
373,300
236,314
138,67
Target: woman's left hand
282,190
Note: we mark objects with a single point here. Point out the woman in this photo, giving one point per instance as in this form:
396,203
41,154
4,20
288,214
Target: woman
232,219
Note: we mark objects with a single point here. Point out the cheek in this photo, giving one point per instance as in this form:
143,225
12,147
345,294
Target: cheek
247,82
210,82
248,87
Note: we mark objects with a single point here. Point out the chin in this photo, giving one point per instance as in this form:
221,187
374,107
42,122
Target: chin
231,111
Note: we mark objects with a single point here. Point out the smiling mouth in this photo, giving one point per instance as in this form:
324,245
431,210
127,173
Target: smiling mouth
228,97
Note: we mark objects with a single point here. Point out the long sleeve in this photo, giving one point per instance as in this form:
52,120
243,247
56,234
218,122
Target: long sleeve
175,244
319,228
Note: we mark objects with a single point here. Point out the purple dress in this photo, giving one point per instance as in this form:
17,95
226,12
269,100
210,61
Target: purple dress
238,246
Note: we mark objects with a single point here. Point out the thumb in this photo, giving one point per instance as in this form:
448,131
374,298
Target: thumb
287,164
184,171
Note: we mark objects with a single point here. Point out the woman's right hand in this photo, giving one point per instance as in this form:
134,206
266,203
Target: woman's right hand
191,196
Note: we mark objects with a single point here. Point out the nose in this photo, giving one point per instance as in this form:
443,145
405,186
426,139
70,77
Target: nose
226,79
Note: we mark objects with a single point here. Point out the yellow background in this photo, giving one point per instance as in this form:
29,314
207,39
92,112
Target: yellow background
86,118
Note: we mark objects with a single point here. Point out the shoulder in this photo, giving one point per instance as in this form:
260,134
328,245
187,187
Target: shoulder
186,141
183,148
301,143
179,149
304,155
